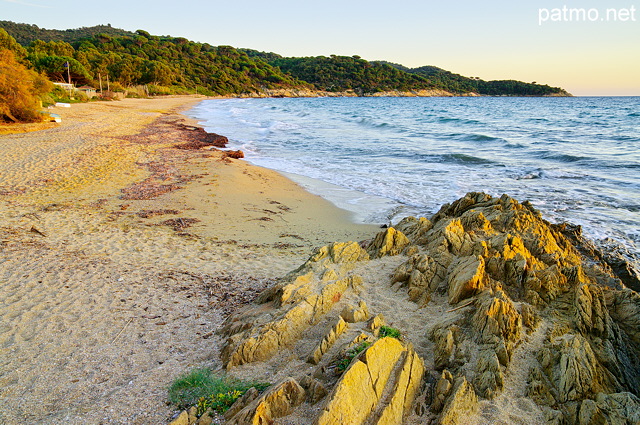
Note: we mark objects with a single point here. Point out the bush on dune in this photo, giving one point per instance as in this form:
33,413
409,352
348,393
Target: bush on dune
20,89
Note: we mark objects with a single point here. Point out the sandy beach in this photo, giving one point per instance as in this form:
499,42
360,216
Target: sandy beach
121,252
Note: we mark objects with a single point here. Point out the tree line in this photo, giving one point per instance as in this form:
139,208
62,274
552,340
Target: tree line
175,65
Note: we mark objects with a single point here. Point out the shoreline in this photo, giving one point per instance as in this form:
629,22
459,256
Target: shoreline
109,295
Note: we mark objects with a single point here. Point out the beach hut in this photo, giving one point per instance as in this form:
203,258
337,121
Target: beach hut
88,91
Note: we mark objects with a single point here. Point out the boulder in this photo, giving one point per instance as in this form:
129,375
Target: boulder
276,402
461,404
388,242
327,341
466,277
610,409
572,367
354,314
378,387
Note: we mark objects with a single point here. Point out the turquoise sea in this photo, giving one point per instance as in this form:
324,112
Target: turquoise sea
575,159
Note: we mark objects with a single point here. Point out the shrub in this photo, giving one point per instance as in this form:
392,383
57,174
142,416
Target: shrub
208,390
20,89
390,332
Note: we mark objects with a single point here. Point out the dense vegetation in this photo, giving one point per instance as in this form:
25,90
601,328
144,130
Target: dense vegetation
25,33
456,83
20,88
342,73
165,65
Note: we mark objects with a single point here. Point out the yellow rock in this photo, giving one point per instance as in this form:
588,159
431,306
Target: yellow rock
379,387
354,314
182,419
328,340
462,403
388,242
276,402
466,278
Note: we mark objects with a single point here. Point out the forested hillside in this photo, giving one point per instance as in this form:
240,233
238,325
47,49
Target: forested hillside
341,73
165,64
456,83
25,33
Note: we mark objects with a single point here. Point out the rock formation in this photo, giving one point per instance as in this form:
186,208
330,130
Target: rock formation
495,305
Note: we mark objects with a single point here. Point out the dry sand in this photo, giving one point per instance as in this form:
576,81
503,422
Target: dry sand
107,295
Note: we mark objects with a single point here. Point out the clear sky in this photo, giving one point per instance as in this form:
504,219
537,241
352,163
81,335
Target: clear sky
592,53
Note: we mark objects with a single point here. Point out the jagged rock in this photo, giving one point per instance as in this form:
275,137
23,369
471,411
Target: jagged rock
375,323
624,307
530,318
466,277
462,403
442,390
572,367
354,314
489,377
314,389
340,253
379,386
553,417
415,228
422,274
591,312
490,267
610,409
444,350
182,419
327,341
262,342
496,316
388,242
539,388
278,401
622,267
206,418
242,402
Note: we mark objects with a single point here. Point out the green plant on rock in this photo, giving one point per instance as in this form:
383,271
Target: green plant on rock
390,332
219,402
343,363
208,389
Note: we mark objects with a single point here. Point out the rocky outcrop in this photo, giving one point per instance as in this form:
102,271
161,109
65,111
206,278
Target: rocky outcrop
278,401
298,302
388,242
490,300
462,403
378,387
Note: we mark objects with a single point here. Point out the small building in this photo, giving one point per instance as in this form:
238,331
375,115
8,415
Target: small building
88,91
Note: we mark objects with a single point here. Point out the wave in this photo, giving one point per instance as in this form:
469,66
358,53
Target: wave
482,138
366,122
462,158
563,157
457,120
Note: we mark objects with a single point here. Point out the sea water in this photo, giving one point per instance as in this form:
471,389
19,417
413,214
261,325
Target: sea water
575,159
